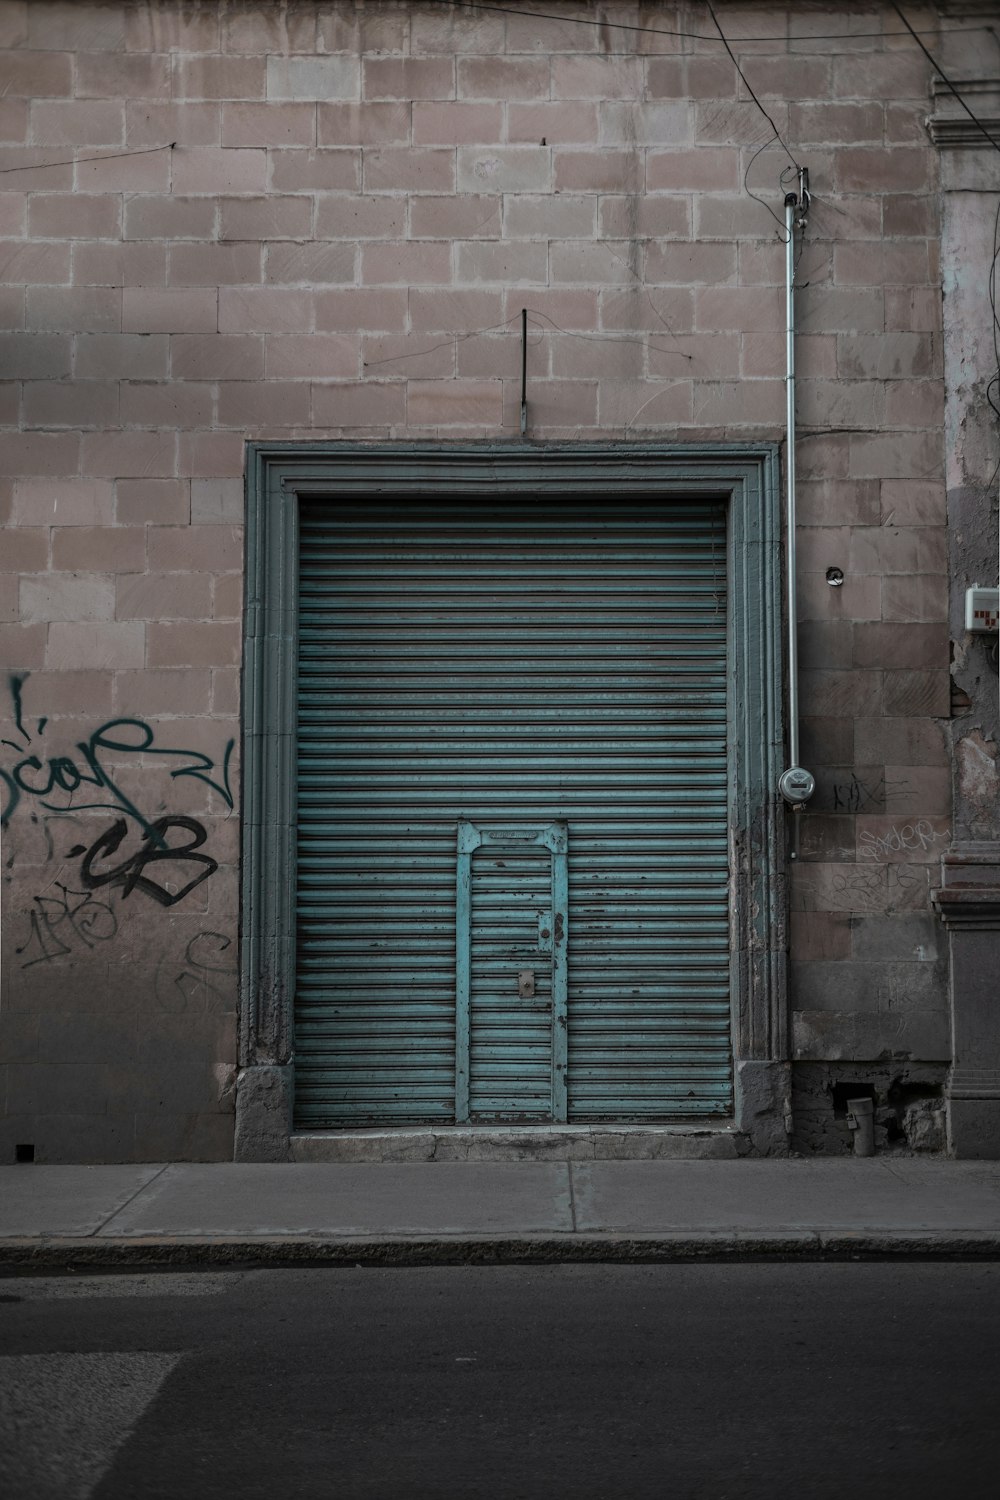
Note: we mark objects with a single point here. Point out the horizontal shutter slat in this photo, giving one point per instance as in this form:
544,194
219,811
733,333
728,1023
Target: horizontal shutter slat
528,664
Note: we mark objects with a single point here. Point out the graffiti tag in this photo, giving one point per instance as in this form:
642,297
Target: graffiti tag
57,920
208,958
51,781
129,874
911,838
857,795
887,888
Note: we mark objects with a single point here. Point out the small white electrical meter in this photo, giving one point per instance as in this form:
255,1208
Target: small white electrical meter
982,609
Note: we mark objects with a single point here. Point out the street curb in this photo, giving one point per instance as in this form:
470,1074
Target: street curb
192,1252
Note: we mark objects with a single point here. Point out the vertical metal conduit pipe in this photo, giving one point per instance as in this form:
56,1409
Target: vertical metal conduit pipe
795,785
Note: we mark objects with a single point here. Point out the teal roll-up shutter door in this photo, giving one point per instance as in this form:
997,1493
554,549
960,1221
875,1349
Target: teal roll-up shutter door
512,669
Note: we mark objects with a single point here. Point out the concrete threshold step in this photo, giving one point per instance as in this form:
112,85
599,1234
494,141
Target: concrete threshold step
714,1142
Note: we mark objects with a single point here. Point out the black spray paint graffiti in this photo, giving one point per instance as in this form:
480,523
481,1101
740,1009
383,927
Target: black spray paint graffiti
858,796
61,776
129,874
57,921
49,785
208,968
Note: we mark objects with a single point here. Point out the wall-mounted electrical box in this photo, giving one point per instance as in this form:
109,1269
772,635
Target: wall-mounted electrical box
982,609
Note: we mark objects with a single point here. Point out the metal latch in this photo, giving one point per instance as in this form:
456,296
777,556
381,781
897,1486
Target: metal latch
525,984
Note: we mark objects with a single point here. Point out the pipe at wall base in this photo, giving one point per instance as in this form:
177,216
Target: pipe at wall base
861,1120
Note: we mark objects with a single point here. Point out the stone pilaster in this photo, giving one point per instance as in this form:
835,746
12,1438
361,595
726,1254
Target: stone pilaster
968,901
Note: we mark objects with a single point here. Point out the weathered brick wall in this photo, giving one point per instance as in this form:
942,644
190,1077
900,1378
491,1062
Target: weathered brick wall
360,201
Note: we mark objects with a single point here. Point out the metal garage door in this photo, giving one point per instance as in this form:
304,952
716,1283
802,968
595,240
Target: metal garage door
512,803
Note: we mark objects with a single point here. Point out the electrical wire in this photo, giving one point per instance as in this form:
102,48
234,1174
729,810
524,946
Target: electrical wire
700,36
606,338
451,341
945,79
73,161
810,199
746,85
632,272
775,132
783,232
534,315
663,390
992,288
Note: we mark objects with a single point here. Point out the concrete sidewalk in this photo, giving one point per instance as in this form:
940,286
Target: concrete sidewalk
419,1212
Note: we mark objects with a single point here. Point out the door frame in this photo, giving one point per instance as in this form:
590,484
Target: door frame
555,838
744,476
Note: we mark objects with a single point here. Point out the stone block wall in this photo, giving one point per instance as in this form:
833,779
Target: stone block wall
223,221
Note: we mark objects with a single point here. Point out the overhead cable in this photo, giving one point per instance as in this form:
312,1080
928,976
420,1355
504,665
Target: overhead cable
533,317
746,85
945,79
992,288
699,36
79,161
756,196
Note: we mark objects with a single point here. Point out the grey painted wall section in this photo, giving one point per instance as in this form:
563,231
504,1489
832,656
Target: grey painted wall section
969,898
970,183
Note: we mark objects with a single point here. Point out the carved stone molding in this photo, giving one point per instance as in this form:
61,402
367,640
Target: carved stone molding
968,903
951,128
969,894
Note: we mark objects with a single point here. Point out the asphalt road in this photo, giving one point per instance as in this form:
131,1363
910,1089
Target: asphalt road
679,1382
